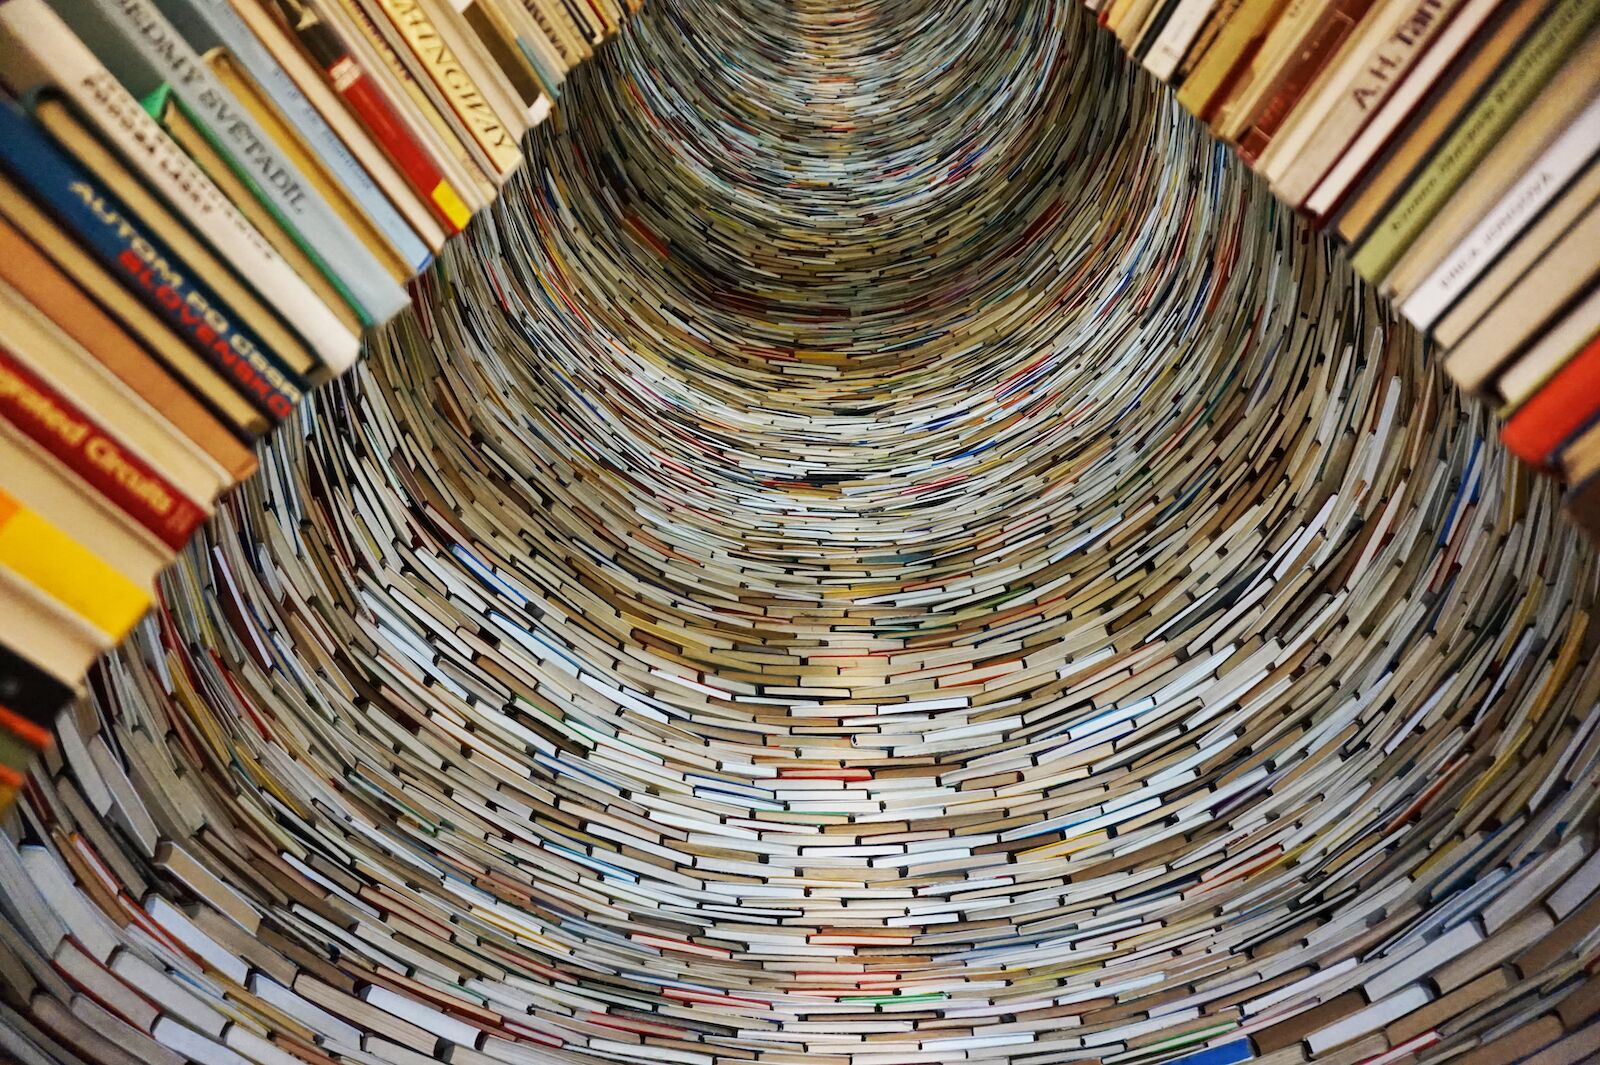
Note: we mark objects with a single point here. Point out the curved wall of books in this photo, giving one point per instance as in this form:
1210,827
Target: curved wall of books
884,547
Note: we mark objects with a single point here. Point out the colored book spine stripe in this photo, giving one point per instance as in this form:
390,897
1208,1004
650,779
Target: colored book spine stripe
64,569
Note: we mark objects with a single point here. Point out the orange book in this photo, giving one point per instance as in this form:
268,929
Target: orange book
1567,402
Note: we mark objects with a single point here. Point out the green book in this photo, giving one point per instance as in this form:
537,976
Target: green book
1535,62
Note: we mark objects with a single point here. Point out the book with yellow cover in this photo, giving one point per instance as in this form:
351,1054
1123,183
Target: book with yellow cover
46,558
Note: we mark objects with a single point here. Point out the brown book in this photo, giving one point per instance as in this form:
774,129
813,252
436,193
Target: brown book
1435,117
141,323
38,280
1580,459
1327,34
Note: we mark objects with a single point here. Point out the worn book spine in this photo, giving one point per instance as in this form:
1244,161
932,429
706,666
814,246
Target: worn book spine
226,27
458,87
57,425
292,196
53,562
145,265
1523,75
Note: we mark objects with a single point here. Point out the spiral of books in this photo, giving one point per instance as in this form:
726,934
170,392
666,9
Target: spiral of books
885,545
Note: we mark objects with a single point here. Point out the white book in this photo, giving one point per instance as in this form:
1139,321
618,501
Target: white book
1512,213
1399,106
1182,27
194,1046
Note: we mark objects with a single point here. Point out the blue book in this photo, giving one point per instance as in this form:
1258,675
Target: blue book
208,24
143,262
119,29
1226,1054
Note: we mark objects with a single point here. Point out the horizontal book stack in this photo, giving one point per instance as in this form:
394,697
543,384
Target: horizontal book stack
204,207
1453,148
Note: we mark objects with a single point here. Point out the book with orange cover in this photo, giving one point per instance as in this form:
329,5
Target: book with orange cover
1567,402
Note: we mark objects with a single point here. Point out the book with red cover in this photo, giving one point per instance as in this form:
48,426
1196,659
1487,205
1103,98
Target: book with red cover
1331,30
1566,403
374,110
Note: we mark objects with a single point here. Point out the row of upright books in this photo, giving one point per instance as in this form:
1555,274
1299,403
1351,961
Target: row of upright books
1451,146
203,206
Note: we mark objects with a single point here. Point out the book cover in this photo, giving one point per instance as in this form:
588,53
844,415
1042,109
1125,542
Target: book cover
28,691
52,561
140,28
360,92
169,112
1566,403
144,263
455,84
238,309
209,24
91,452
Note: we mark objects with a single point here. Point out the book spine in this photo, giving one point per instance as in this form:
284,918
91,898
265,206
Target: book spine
296,201
66,571
145,265
362,95
1560,162
1395,54
30,25
225,23
1538,429
29,692
57,425
1333,28
1538,57
458,87
1176,37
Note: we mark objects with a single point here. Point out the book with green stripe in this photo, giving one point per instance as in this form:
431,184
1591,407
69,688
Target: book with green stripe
1518,83
139,46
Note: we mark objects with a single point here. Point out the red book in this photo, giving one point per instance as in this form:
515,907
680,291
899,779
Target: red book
368,103
1566,403
55,424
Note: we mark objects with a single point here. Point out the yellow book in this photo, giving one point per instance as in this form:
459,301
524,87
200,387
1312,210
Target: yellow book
56,564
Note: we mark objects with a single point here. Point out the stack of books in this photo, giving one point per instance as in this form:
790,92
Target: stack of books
1451,147
204,206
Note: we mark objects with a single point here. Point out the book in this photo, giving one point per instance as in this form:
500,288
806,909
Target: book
1562,314
143,262
1569,153
236,312
54,357
215,24
188,367
44,557
1556,135
1362,156
39,50
1565,404
174,119
36,278
117,31
1434,117
294,147
368,103
1513,90
1360,80
1528,248
1237,42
